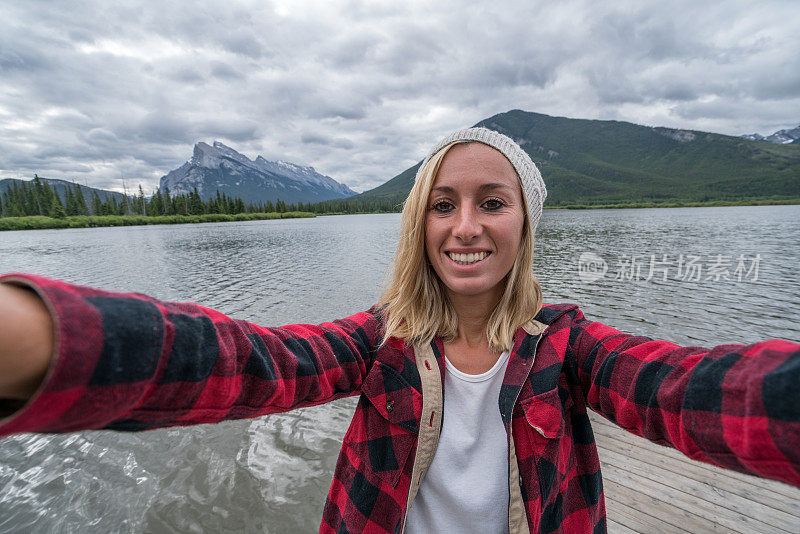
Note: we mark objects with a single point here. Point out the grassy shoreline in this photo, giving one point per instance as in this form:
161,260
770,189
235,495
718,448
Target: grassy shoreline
38,222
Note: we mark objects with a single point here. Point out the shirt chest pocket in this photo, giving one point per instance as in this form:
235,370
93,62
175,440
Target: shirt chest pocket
389,411
544,442
546,413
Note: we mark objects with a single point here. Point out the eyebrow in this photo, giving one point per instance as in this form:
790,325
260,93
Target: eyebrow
482,188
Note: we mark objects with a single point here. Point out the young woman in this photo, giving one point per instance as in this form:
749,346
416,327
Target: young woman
472,415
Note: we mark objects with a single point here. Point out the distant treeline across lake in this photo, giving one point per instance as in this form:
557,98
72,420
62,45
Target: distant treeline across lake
35,205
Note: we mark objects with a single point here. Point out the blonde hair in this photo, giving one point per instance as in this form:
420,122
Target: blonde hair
415,305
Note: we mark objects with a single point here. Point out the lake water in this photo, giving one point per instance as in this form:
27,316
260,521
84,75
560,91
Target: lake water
699,276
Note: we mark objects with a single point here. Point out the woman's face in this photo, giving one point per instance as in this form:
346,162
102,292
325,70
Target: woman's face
474,220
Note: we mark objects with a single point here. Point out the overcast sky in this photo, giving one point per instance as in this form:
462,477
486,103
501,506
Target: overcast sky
99,91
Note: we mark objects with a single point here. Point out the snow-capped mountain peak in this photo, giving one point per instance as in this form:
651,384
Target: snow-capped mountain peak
218,167
781,137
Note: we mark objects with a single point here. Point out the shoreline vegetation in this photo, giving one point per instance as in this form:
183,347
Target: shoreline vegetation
41,222
35,205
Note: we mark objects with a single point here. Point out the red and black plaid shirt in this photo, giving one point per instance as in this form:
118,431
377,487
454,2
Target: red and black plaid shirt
130,362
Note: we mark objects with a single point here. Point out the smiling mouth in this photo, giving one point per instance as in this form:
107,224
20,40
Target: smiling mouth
467,259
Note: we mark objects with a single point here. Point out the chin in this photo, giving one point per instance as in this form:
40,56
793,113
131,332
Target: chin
471,290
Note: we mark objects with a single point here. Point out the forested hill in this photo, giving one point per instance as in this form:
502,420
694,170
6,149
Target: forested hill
591,162
61,187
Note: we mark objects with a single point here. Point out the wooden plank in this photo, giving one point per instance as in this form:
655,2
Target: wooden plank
608,430
633,509
780,495
604,427
660,490
759,516
617,528
674,507
637,521
768,492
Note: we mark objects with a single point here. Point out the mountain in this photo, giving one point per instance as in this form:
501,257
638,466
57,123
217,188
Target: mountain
221,168
60,186
606,162
781,137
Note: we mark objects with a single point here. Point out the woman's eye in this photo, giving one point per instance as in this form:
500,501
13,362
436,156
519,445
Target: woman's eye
493,204
442,206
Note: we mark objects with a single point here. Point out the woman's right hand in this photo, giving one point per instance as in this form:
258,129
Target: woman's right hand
26,341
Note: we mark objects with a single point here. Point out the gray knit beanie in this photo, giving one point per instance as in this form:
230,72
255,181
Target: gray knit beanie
529,176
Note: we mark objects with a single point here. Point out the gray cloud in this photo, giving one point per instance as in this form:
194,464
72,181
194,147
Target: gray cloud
316,139
225,71
102,92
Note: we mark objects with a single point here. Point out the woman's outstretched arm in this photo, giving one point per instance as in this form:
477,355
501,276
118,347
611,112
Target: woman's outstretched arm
126,361
735,406
26,342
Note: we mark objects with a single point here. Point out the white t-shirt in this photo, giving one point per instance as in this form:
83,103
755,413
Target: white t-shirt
466,487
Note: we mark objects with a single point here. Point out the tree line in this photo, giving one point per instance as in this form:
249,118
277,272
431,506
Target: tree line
38,197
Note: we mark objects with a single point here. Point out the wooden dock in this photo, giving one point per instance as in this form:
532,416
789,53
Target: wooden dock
653,489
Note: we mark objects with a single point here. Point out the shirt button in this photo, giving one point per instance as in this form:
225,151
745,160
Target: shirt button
390,406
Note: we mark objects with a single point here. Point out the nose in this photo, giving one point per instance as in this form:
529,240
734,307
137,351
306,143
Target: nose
467,226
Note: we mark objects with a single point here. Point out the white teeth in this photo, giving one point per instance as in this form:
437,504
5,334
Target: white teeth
466,259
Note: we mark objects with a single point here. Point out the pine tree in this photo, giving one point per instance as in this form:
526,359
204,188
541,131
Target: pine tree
142,201
216,204
157,203
71,206
31,207
125,205
97,205
24,201
7,204
47,198
196,206
57,209
167,202
14,201
39,189
80,201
